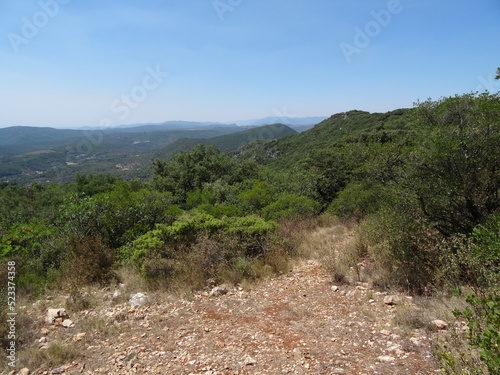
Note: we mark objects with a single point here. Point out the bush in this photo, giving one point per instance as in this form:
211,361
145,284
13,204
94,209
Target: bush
259,196
358,200
160,253
454,172
291,206
483,320
91,263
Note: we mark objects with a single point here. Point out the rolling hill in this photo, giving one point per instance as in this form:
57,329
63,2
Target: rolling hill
123,154
347,126
229,142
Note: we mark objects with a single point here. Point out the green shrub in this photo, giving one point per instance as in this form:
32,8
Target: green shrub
26,239
259,196
226,239
290,206
483,320
358,200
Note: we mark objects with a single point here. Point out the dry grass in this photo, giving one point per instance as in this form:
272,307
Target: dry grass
336,247
58,353
423,311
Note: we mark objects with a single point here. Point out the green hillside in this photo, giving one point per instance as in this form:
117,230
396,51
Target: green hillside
121,154
340,128
43,155
229,142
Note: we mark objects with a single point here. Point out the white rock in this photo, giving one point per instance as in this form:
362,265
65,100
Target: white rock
67,323
385,358
439,324
218,291
53,314
335,288
249,361
79,336
138,299
117,293
391,300
24,371
415,341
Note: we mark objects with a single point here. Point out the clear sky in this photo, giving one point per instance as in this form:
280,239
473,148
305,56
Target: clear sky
68,63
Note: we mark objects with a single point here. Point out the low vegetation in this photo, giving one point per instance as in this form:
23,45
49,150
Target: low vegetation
417,192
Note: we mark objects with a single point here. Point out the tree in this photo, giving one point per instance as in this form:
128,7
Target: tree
455,173
191,170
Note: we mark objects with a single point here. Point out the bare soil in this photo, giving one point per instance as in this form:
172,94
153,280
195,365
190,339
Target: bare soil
291,324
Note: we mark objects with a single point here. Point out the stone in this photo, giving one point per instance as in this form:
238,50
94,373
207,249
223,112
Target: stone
138,299
218,291
54,314
67,323
415,341
117,293
385,332
385,358
24,371
335,288
79,336
439,324
391,300
42,340
249,361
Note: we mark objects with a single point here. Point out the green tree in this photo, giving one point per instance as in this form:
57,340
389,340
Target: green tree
291,206
455,173
191,170
256,198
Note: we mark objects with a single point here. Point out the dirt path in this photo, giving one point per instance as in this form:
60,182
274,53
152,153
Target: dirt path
292,324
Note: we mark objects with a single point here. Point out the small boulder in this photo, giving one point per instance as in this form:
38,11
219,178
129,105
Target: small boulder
138,299
385,358
335,288
439,324
249,361
391,300
54,314
67,323
79,336
218,291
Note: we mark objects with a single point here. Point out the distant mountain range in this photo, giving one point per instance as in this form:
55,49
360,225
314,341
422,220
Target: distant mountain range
285,120
175,125
45,155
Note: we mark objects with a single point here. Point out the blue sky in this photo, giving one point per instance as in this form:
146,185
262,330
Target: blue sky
69,63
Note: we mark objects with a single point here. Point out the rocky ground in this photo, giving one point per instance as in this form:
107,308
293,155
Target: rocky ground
297,323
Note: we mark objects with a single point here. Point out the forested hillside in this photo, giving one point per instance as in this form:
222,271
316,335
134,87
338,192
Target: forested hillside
46,155
421,185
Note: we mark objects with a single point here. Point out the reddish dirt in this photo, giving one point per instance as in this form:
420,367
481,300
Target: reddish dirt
291,324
